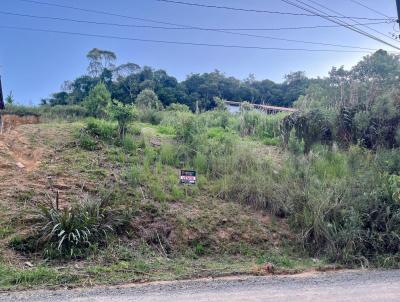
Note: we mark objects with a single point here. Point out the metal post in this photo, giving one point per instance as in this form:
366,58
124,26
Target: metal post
398,12
1,97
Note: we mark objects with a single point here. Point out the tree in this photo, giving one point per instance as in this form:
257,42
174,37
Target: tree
10,99
99,60
97,100
147,99
123,114
59,98
125,76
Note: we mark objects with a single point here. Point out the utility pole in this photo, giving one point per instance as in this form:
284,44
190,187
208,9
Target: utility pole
398,12
1,96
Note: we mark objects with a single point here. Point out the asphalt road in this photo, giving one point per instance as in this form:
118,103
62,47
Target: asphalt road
354,286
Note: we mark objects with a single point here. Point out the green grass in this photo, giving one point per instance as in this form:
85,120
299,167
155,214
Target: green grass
11,277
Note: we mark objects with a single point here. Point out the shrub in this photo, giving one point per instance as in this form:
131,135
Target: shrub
123,114
97,100
21,110
78,231
67,112
148,99
345,208
101,129
178,107
86,142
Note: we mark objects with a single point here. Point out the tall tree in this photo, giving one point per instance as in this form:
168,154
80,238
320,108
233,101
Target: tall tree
99,60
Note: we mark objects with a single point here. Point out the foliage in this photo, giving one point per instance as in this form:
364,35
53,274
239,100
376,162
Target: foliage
363,102
75,232
347,210
66,112
101,129
123,114
21,110
178,107
99,60
220,104
126,81
310,127
148,100
97,100
10,99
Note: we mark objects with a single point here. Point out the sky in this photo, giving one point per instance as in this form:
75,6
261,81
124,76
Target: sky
35,64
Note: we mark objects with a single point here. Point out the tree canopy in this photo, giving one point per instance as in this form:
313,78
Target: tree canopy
126,81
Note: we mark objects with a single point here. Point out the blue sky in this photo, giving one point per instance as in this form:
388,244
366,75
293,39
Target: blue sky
35,64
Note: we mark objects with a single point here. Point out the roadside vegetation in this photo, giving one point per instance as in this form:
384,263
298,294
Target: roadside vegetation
274,192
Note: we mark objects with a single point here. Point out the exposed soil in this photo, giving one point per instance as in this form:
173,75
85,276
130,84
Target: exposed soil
27,178
11,121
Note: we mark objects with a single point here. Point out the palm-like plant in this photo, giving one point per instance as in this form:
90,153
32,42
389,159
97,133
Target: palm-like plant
74,232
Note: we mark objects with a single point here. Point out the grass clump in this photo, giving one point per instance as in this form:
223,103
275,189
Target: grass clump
42,275
72,233
102,129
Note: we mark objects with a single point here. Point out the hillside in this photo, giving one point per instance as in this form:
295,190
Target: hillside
92,194
173,231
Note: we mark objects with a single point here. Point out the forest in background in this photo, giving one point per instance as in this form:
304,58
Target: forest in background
126,81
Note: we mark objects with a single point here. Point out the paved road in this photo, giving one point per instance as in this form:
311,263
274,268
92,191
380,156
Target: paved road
356,286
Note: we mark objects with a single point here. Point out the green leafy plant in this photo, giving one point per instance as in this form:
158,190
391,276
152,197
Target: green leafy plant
78,231
123,114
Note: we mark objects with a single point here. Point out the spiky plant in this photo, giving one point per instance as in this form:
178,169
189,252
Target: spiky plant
75,232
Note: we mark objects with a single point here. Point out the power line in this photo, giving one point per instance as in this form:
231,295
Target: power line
335,12
99,12
335,20
185,27
370,8
188,28
354,27
261,11
179,42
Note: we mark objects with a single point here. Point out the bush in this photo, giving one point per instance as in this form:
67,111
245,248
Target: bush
345,208
76,232
101,129
67,112
86,142
151,116
21,110
123,114
97,100
178,107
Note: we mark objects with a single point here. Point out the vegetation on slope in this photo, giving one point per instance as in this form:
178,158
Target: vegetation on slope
322,183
